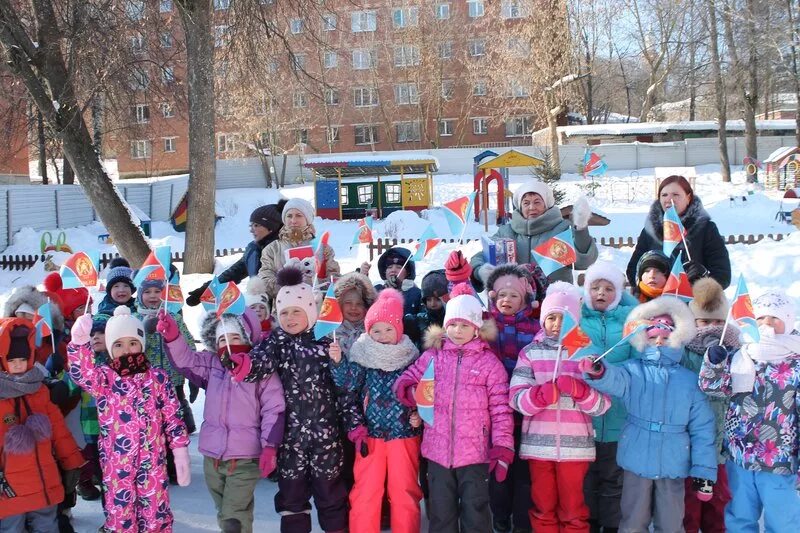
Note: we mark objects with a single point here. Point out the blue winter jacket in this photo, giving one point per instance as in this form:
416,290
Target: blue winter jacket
605,329
669,430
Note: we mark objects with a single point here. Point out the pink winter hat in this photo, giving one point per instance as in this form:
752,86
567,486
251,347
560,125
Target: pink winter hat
562,297
387,308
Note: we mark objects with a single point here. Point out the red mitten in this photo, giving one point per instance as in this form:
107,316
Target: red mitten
358,437
403,388
167,326
499,461
573,387
457,268
242,366
543,395
268,460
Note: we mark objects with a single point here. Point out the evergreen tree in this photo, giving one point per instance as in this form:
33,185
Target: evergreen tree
550,174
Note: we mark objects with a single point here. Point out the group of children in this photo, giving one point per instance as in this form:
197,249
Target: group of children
682,427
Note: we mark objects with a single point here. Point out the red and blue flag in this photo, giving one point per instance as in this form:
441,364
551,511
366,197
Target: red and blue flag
81,269
556,253
742,311
674,231
456,212
363,232
229,300
572,338
156,266
678,282
427,242
43,323
424,395
330,315
209,297
593,164
318,244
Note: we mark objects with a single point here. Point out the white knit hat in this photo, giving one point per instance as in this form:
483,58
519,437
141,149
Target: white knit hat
122,325
609,272
775,304
304,206
534,186
463,306
251,299
295,293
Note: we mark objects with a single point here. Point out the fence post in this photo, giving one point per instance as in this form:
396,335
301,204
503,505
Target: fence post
8,217
55,196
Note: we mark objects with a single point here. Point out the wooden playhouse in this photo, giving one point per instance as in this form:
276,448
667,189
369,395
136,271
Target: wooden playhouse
783,168
350,187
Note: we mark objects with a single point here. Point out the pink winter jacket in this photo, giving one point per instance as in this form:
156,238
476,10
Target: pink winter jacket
471,411
561,431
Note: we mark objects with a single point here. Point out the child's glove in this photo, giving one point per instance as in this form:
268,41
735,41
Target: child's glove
241,366
573,387
694,271
500,459
268,460
457,268
581,213
716,354
81,330
543,395
167,326
703,488
183,466
358,437
403,388
590,367
194,296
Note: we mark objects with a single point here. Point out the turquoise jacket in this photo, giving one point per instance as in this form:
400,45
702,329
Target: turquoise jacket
605,329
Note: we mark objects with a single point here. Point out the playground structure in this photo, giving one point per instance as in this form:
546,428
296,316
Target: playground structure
496,169
355,186
789,210
783,169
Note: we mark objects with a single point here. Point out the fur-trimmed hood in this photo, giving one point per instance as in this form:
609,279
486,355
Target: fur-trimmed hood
435,336
387,357
28,294
359,283
249,320
685,329
654,225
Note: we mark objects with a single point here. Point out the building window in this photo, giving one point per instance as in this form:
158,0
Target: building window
220,36
331,96
406,55
363,59
297,61
330,59
296,26
332,136
518,126
137,43
406,93
167,111
301,136
169,144
365,96
222,5
141,113
446,127
446,50
272,67
328,22
366,134
477,47
511,9
344,196
479,88
134,9
475,8
226,142
365,194
518,47
165,6
517,89
448,89
362,21
140,81
442,11
299,99
165,40
407,131
140,149
480,126
405,17
393,192
260,106
168,75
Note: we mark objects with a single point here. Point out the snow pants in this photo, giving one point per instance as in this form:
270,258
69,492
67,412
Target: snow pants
707,516
659,501
292,503
512,498
459,498
753,492
40,521
393,464
603,487
558,504
232,485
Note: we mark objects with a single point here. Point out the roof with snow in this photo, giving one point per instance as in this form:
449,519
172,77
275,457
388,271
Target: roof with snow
359,165
781,155
648,128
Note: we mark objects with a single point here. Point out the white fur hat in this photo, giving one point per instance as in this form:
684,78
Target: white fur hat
678,311
304,206
609,272
537,187
775,304
122,325
229,325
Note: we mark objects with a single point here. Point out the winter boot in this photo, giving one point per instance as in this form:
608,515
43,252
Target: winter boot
501,525
64,525
188,416
231,525
88,491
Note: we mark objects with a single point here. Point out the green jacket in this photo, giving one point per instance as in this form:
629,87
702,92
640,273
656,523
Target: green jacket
155,349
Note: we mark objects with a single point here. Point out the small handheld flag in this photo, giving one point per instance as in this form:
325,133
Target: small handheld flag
43,323
424,395
593,164
81,269
630,329
572,338
209,297
156,266
456,212
674,231
742,311
678,282
363,232
174,297
319,254
330,315
555,253
427,242
229,299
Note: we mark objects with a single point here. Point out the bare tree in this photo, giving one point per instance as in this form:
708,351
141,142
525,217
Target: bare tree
719,90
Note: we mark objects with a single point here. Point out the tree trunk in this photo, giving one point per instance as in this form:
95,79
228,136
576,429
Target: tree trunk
42,69
552,127
197,17
68,173
41,142
751,92
794,24
283,171
719,92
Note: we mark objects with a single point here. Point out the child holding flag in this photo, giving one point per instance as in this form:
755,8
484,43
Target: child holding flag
471,435
761,380
388,429
669,429
119,287
139,417
557,405
243,422
310,456
396,268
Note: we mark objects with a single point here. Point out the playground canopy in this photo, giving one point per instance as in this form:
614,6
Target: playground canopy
512,158
338,166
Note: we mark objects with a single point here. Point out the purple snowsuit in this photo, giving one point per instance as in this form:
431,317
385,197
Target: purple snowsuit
139,416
